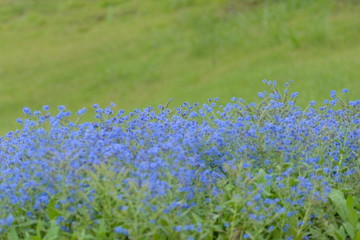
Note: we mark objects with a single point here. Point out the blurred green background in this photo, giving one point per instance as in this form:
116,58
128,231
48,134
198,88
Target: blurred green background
137,53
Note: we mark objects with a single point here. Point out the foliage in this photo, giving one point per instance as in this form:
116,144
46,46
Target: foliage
241,171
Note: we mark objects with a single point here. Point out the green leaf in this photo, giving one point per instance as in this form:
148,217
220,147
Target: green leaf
338,234
261,179
39,226
357,236
27,236
52,212
35,238
197,218
338,199
184,213
351,212
218,228
267,191
342,232
165,220
12,235
30,237
53,232
27,224
229,187
261,176
349,229
292,181
276,234
101,231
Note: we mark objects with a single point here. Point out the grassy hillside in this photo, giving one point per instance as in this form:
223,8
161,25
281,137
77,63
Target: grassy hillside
139,53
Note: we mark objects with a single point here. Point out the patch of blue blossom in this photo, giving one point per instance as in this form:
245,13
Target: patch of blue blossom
121,230
190,143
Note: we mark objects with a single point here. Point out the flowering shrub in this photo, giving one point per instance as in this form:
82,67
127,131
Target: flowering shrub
242,171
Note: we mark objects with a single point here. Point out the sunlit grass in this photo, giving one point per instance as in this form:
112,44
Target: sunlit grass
138,54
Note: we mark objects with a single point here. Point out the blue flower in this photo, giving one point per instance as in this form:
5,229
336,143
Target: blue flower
46,108
294,94
81,111
61,108
261,95
123,208
246,236
27,111
333,94
271,228
290,213
121,230
7,221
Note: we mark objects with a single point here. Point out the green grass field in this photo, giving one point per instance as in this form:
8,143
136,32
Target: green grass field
138,53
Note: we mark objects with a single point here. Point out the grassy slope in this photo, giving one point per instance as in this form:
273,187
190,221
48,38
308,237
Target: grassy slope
139,53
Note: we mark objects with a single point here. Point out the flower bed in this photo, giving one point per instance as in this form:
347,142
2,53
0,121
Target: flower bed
241,171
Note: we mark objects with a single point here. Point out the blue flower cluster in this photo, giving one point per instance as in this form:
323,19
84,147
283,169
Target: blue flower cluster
197,145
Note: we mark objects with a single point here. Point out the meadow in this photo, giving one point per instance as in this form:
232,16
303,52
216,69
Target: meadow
175,158
141,53
264,170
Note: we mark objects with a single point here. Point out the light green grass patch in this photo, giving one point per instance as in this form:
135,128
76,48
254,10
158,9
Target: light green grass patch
137,53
